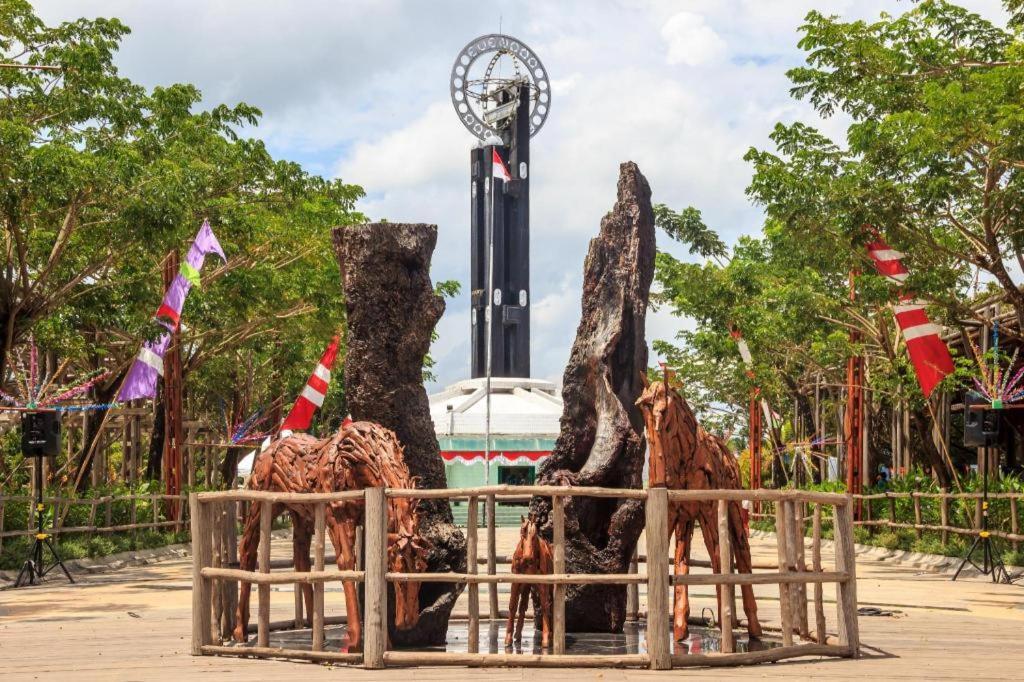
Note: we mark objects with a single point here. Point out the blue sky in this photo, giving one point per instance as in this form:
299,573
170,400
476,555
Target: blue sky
357,89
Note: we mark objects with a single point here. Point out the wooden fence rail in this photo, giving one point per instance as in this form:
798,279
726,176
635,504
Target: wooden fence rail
210,512
100,516
945,528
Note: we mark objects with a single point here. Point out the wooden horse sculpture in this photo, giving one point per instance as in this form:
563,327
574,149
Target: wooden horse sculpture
361,455
686,457
532,557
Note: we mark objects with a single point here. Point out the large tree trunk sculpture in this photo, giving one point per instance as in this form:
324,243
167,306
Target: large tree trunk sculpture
686,457
602,433
392,309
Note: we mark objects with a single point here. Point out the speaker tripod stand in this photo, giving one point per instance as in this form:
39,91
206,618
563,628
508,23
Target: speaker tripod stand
35,566
991,562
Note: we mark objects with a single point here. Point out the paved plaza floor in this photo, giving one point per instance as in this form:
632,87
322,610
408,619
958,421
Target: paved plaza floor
134,624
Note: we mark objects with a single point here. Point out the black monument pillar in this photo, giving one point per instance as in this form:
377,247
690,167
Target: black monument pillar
502,208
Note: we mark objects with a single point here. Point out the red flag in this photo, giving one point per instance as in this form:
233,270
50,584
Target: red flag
498,169
928,353
312,396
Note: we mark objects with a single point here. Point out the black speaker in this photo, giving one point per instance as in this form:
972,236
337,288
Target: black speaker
981,426
40,434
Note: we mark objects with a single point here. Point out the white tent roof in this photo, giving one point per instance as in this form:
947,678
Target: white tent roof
518,406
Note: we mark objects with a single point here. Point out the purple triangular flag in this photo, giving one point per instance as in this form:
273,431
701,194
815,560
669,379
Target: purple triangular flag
148,366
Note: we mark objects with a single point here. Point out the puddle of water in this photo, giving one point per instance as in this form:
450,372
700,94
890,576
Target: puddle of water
632,640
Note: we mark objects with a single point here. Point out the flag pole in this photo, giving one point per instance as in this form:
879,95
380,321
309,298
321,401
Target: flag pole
488,325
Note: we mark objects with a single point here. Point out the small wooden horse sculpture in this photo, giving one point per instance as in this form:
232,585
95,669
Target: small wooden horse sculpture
532,557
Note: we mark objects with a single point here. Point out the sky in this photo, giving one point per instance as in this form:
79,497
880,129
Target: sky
358,89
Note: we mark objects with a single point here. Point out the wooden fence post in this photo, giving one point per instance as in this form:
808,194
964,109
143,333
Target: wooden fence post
472,512
819,606
558,550
944,518
319,538
726,592
892,509
846,591
202,549
917,514
263,566
1014,544
632,591
796,549
375,582
492,589
297,591
781,539
657,579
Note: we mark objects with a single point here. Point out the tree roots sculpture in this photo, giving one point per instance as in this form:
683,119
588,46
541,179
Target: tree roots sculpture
686,457
532,557
361,455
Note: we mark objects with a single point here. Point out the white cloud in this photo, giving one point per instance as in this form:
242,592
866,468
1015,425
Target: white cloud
690,40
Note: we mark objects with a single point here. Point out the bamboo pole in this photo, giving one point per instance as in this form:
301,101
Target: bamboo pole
657,579
263,565
846,591
319,541
375,624
726,592
202,548
781,536
819,607
558,550
471,567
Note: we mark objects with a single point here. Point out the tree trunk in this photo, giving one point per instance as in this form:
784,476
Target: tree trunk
602,431
920,422
155,460
391,312
102,394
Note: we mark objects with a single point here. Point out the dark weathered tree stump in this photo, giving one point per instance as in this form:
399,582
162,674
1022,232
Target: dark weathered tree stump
392,309
602,431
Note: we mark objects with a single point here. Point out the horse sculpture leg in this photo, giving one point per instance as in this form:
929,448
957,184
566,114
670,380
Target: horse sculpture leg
681,607
741,551
709,531
343,537
248,544
545,614
513,608
524,604
300,557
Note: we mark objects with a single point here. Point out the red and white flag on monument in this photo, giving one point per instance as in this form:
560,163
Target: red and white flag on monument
928,353
312,396
498,168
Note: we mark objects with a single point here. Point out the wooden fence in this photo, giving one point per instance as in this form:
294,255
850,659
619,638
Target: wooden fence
944,527
100,516
213,516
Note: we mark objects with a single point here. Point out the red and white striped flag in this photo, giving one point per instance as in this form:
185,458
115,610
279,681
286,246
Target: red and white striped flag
928,353
498,169
312,396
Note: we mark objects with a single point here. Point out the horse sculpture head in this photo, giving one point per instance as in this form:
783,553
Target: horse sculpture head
407,553
655,404
528,550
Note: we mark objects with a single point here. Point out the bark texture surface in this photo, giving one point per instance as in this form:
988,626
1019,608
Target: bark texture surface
601,442
392,310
